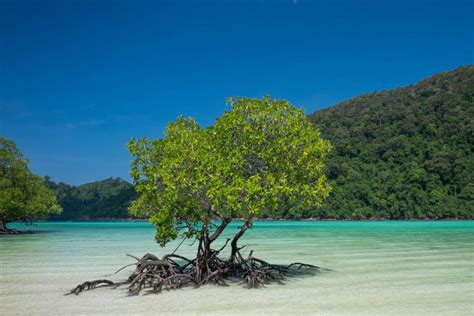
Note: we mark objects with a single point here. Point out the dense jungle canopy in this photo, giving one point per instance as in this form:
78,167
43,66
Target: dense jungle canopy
403,153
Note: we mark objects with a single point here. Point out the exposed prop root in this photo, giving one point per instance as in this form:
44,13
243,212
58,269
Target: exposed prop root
174,271
89,285
8,231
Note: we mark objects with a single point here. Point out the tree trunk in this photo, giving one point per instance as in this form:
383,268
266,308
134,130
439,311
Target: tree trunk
235,249
3,227
205,252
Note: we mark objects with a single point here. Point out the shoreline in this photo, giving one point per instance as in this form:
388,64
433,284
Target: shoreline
132,220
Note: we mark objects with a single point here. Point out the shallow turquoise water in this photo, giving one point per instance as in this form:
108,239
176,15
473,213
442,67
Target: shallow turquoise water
417,268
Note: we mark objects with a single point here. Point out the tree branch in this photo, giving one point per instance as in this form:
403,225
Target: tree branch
236,238
220,229
243,229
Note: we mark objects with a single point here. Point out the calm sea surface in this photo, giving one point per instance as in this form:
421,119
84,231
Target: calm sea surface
401,268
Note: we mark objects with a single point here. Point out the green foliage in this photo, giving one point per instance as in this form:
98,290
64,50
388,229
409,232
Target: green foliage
405,153
261,156
99,200
23,195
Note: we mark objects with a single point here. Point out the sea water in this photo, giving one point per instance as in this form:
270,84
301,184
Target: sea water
400,268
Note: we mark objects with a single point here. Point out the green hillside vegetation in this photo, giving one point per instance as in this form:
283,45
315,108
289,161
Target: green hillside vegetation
106,199
404,153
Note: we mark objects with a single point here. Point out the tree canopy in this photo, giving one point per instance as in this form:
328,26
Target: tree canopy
23,195
261,155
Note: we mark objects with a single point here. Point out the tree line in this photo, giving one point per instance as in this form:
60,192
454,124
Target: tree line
99,200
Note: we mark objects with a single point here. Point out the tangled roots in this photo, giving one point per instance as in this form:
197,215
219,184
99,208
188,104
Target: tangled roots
173,271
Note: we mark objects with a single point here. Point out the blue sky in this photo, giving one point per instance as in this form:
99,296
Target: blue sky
80,78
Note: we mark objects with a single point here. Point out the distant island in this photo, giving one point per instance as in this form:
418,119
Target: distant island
406,153
107,199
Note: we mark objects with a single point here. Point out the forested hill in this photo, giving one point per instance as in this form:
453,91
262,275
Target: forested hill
404,153
106,199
